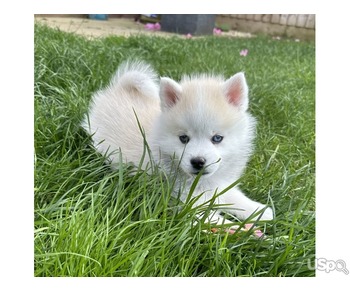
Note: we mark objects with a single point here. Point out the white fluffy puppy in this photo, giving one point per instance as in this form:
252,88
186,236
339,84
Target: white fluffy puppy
200,124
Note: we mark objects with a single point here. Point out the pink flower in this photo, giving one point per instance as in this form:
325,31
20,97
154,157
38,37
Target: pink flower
149,26
257,232
244,52
152,26
188,36
157,26
217,31
234,228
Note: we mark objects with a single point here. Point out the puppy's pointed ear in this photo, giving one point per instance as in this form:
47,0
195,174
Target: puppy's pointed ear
236,91
169,92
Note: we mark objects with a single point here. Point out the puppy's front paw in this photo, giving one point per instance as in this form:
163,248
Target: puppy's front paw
267,215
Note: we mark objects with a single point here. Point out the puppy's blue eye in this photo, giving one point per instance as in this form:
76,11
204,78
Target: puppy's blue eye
184,139
216,139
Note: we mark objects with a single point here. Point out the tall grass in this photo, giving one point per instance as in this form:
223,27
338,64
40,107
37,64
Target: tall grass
92,221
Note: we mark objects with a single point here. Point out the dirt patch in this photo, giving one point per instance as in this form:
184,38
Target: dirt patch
114,26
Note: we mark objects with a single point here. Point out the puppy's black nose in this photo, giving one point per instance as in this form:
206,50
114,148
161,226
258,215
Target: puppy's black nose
198,162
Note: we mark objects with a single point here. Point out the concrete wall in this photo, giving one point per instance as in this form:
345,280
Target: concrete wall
301,26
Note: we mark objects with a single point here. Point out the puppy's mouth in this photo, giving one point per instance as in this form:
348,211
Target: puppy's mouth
198,172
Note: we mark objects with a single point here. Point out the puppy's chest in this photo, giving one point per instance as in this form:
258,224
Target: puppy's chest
205,189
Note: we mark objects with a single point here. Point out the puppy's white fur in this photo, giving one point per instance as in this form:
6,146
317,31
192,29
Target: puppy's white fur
209,111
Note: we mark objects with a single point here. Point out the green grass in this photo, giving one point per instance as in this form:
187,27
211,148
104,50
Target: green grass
92,221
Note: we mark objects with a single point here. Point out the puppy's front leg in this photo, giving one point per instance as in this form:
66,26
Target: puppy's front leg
243,207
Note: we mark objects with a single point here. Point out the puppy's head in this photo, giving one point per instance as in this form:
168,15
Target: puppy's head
203,121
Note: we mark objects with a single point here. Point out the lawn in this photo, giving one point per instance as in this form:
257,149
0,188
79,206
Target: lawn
92,221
